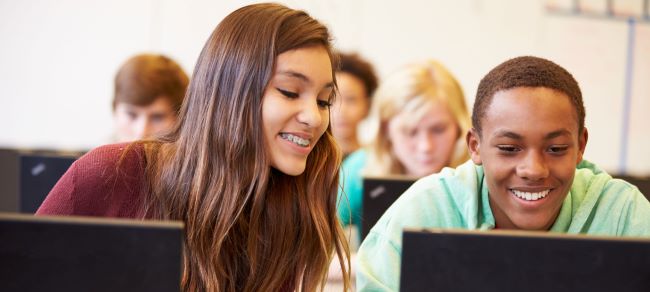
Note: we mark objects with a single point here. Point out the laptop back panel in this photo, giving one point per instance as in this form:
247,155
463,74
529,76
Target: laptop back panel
480,261
88,254
378,194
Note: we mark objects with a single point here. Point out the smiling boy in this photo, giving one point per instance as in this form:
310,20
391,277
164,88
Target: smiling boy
526,173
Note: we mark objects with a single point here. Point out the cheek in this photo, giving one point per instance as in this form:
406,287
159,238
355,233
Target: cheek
403,147
564,173
358,112
122,120
325,118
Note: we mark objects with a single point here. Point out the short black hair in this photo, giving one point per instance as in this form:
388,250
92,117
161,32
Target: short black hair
526,71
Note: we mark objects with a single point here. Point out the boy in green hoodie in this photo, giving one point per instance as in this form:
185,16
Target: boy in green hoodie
526,173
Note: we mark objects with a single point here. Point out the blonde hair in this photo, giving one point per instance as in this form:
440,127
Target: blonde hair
413,90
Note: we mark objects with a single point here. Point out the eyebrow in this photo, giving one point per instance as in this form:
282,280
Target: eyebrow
549,136
557,133
303,77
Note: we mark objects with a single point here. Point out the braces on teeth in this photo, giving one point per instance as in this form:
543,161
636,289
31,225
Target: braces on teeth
295,139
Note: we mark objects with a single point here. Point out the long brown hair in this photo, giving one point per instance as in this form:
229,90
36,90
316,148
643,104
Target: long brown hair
248,227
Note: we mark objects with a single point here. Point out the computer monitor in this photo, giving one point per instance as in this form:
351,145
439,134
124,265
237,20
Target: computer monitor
27,176
378,194
461,260
88,254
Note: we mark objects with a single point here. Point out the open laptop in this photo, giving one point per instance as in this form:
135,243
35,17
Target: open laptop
88,254
378,194
457,260
27,176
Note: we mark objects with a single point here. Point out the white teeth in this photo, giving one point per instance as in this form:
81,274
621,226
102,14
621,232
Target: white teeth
530,196
295,139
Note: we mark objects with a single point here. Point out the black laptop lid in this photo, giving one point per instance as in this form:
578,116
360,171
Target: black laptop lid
378,194
448,260
27,176
88,254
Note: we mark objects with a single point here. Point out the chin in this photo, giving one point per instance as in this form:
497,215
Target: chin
534,226
292,170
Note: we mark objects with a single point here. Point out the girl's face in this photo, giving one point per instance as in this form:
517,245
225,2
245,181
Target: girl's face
350,107
295,107
428,145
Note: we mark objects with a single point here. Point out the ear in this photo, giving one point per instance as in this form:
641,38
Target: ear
474,145
582,144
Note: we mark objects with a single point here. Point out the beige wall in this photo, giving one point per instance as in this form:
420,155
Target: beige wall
58,57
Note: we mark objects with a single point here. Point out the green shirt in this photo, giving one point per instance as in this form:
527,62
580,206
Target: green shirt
458,198
351,197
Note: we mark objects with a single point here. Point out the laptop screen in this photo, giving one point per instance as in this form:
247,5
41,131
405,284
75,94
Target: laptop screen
378,194
88,254
454,260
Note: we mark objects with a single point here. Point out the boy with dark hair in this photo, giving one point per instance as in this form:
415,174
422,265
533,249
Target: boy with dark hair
526,173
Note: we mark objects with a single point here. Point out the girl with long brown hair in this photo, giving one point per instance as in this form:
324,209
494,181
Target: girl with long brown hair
251,167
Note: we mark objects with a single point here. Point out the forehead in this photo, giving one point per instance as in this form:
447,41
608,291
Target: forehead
423,111
159,105
310,64
530,110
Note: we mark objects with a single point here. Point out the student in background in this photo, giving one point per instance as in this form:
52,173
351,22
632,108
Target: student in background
419,118
251,168
526,173
149,91
356,81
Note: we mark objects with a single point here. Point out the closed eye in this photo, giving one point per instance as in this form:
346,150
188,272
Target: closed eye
287,93
324,103
558,149
508,149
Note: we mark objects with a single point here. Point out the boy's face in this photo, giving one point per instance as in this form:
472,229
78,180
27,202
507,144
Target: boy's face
134,122
529,149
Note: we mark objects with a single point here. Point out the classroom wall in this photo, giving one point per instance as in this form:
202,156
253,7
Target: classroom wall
58,58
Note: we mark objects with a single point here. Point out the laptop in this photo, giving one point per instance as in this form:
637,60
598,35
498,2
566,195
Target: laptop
461,260
27,176
378,194
88,254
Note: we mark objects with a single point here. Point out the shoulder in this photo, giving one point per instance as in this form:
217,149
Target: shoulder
107,157
614,205
592,182
450,184
104,182
356,159
437,200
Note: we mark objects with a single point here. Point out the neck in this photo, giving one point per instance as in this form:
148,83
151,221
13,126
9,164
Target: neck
348,145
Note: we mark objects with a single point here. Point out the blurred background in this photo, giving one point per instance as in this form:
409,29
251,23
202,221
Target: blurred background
58,58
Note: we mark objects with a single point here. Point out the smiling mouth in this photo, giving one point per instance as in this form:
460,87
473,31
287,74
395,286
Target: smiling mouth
528,196
295,139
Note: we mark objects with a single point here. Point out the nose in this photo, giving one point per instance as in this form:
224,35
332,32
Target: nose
425,142
142,128
533,167
310,113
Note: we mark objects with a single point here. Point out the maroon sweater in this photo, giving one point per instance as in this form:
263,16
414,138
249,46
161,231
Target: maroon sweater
103,183
99,184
